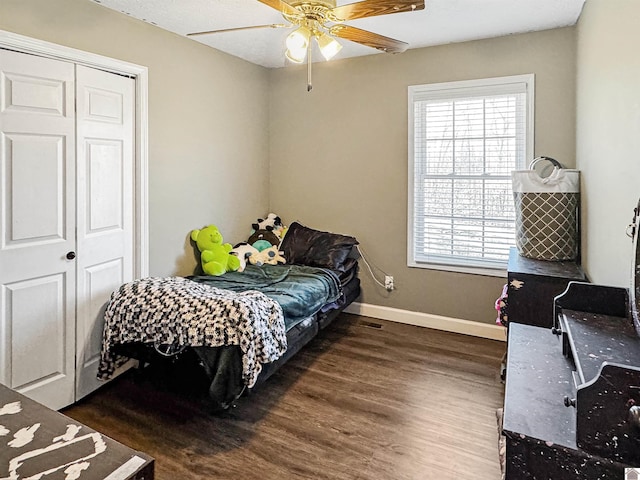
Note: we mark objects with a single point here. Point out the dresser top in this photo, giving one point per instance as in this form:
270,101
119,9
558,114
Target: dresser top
596,338
538,378
567,269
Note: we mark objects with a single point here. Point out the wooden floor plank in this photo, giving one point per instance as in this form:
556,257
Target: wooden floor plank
366,400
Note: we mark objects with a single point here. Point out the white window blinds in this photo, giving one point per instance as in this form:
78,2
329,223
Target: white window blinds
465,139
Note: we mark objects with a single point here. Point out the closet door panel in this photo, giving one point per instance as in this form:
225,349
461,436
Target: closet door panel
105,172
99,281
29,91
38,350
105,126
34,217
37,224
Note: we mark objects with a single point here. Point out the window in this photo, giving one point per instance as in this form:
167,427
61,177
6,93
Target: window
465,138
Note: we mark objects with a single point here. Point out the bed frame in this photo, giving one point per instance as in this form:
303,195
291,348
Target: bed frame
218,371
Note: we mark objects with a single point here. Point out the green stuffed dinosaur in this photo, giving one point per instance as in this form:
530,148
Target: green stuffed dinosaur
214,255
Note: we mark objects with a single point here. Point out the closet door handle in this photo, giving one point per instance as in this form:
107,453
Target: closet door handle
71,255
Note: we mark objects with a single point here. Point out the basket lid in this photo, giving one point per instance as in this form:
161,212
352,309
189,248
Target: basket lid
634,291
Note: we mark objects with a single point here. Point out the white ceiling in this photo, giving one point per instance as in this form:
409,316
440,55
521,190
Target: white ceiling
441,22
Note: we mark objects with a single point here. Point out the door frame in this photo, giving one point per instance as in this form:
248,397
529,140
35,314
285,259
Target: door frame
21,43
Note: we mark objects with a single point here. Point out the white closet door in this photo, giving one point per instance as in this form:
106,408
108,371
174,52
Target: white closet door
105,230
37,227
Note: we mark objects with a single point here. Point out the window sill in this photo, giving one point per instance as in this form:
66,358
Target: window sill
487,272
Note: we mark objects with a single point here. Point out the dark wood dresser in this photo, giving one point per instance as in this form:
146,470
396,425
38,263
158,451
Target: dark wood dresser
533,284
36,442
572,394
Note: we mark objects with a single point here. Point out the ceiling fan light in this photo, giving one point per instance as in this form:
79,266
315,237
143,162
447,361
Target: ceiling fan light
329,47
298,39
296,55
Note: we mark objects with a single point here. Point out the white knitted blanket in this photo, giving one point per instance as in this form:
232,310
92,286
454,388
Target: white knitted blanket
177,311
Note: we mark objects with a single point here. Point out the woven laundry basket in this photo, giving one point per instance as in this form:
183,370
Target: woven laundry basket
547,209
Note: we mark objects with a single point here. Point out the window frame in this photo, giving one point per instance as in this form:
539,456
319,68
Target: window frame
460,86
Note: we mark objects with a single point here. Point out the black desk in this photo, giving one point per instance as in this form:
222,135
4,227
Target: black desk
540,430
36,442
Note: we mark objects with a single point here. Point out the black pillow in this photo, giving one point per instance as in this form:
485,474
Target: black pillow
306,246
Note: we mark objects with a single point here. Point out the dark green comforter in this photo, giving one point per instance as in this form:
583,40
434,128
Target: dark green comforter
301,291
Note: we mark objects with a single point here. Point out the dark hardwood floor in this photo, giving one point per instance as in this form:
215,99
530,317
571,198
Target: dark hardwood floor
367,399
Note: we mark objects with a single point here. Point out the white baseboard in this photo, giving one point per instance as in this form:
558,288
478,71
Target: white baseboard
455,325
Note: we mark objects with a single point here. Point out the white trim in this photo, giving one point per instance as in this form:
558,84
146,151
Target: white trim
484,271
14,41
427,320
20,43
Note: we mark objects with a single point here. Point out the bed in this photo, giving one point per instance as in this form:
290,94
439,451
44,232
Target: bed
237,329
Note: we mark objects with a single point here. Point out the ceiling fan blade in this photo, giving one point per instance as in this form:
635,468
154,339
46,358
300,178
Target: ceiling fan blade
273,25
372,8
369,39
281,6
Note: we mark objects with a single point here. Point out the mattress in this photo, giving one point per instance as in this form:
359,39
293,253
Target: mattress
300,290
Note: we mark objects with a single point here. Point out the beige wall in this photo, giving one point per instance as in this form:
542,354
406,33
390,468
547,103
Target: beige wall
608,134
226,138
339,153
208,145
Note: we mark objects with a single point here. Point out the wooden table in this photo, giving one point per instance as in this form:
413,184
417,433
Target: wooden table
36,442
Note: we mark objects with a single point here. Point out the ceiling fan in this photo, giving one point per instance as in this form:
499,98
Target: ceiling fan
324,20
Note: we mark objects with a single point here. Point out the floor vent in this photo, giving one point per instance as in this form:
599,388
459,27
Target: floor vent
370,324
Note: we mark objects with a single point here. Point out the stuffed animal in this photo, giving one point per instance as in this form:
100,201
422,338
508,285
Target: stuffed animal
270,256
273,223
214,255
243,251
263,239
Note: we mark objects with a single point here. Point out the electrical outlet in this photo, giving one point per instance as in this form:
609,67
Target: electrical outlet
388,282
